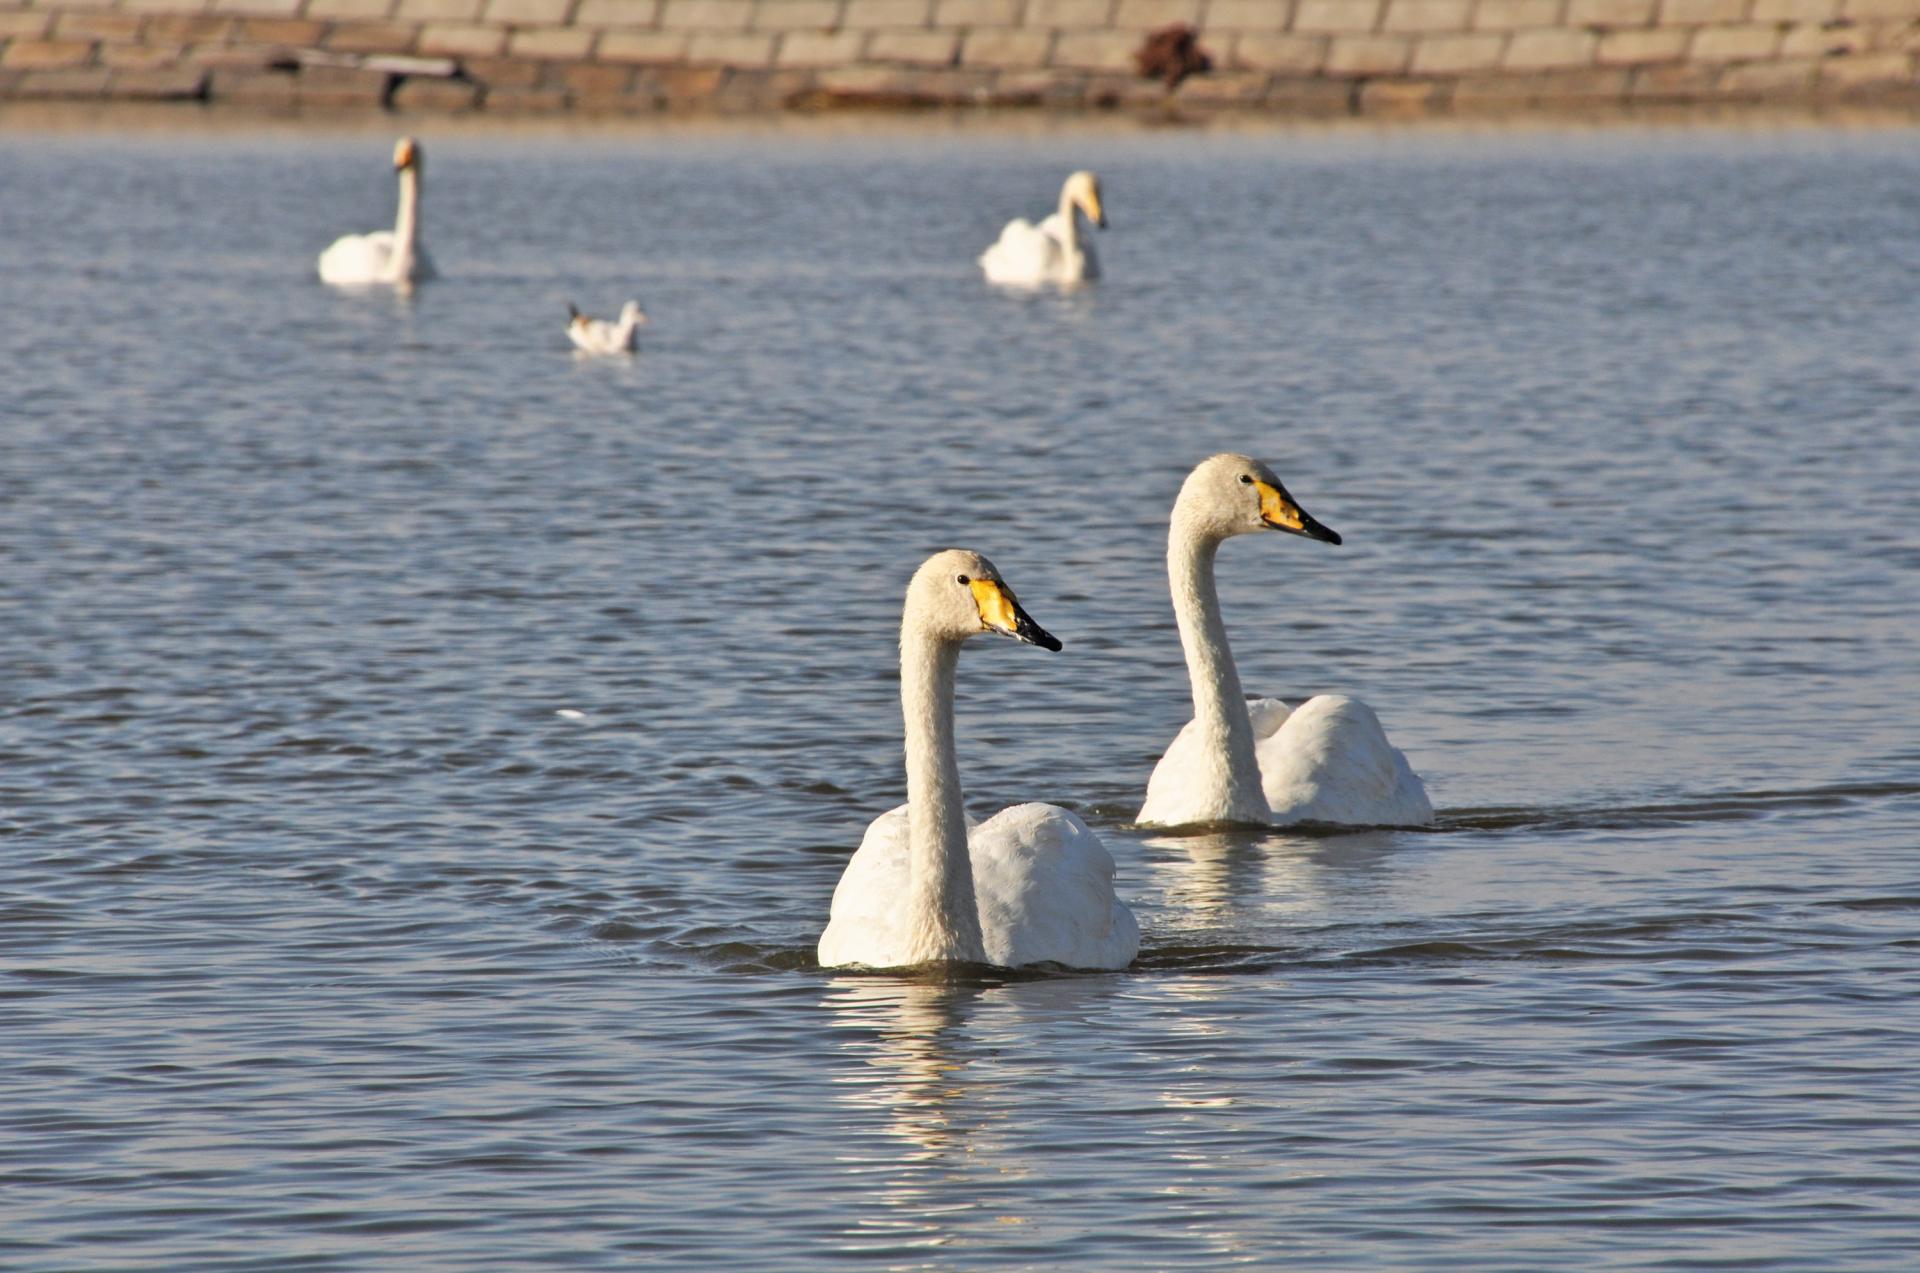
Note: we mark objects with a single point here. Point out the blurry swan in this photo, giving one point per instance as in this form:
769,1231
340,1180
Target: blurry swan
1029,255
1327,760
598,336
394,257
1030,885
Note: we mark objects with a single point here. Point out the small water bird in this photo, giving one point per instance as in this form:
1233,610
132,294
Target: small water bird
1030,885
1029,255
598,336
1327,760
395,257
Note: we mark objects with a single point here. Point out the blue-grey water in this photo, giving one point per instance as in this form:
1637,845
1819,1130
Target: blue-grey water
427,758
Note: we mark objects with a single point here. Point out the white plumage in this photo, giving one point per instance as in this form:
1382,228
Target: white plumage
396,257
599,336
1327,760
1029,255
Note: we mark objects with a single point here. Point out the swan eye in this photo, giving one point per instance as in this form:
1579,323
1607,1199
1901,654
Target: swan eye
964,581
1246,479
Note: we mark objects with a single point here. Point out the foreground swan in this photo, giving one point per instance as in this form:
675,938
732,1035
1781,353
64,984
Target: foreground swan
598,336
393,257
1327,760
1030,885
1029,255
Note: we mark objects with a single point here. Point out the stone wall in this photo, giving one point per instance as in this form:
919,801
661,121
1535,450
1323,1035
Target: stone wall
1280,56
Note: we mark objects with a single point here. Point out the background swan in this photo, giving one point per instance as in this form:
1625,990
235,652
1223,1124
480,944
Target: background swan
1029,255
598,336
394,257
1326,761
1030,885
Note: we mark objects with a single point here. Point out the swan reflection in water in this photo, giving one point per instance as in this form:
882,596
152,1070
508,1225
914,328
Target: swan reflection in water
1245,880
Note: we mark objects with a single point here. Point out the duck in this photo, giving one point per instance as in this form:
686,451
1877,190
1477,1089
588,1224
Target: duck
598,336
1032,885
1262,762
396,257
1029,255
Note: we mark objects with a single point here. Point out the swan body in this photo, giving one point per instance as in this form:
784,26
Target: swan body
1029,255
1327,760
396,257
598,336
1030,885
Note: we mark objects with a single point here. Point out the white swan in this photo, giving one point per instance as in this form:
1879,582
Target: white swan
1028,255
1327,760
392,257
598,336
1030,885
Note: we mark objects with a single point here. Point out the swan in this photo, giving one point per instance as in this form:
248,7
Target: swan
1327,760
598,336
394,257
1029,255
1030,885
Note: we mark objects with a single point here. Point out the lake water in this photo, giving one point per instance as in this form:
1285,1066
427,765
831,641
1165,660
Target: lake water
327,942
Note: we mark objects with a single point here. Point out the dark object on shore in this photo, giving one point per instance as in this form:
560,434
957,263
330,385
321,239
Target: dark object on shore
1171,54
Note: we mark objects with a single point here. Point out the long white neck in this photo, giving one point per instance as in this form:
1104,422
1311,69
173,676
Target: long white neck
1069,224
943,916
406,226
629,321
1230,780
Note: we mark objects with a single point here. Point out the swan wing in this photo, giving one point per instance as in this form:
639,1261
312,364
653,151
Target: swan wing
1044,883
1025,254
357,258
1330,761
867,923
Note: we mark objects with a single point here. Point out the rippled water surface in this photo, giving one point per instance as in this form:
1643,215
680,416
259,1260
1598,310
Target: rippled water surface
428,758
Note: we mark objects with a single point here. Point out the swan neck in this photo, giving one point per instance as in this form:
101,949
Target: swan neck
1069,222
1219,706
944,916
406,225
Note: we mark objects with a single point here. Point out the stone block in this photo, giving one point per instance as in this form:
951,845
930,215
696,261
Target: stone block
1337,17
1579,88
616,13
1788,79
1642,47
724,48
1881,9
1368,55
1006,48
1459,54
923,47
257,8
1550,49
867,15
1745,43
426,93
1428,15
1149,15
1297,54
760,90
63,82
502,72
519,100
1248,15
1068,13
820,48
1404,97
643,46
243,57
263,30
1130,92
246,87
550,43
453,39
529,12
438,10
1794,10
97,26
350,10
38,55
1699,12
140,57
1675,82
1317,98
706,15
1875,70
30,24
1515,15
374,37
795,15
1095,50
1610,13
169,84
595,79
975,13
162,6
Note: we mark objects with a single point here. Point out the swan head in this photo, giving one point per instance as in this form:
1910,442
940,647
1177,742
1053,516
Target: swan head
958,594
406,154
1083,192
631,312
1238,495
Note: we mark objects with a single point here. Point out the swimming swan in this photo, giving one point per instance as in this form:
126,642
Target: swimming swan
1030,885
1327,760
1029,255
393,257
598,336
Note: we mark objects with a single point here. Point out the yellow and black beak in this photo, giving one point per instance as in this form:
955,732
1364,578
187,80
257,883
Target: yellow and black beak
999,612
1099,211
1278,511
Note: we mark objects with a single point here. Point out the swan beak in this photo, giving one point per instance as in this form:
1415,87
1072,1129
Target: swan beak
1098,211
999,612
1279,512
